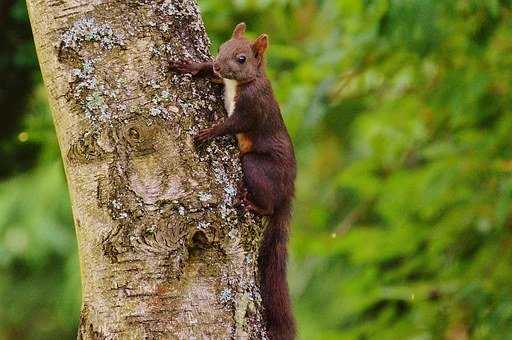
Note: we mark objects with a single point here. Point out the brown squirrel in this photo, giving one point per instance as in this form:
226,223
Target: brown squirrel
267,158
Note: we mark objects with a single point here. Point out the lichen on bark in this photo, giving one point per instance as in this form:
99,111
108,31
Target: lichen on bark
164,251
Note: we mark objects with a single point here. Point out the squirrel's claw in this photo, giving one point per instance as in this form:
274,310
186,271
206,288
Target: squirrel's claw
252,207
203,136
241,194
183,66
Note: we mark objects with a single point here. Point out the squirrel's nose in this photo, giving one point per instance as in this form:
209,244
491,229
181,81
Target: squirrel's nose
216,68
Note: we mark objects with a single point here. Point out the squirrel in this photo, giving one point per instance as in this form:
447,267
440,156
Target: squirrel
267,158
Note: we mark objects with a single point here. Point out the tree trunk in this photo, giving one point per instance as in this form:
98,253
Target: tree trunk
164,252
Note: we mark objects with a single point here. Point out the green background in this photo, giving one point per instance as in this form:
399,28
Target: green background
400,111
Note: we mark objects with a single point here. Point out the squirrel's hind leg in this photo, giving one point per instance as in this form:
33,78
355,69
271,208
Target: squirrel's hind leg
260,188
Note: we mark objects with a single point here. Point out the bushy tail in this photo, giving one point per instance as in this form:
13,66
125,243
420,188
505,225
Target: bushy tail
274,287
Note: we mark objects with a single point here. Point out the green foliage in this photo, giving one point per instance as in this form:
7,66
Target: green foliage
39,275
400,113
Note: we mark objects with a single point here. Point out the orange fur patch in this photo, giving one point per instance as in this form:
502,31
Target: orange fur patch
244,142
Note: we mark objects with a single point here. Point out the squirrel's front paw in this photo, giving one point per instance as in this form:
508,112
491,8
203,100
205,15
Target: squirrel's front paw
184,66
203,136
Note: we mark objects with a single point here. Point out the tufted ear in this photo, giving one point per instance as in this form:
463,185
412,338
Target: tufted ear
239,30
260,46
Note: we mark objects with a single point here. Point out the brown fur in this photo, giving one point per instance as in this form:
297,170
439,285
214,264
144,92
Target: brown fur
268,163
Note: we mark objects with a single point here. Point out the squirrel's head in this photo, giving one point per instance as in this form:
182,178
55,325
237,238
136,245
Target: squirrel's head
239,58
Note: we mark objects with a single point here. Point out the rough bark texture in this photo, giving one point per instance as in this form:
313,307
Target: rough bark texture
163,251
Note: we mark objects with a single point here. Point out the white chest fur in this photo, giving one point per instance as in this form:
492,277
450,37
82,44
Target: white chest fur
230,87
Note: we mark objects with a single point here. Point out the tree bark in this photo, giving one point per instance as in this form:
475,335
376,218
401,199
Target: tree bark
164,252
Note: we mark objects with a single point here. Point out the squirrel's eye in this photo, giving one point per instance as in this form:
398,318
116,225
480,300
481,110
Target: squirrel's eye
241,59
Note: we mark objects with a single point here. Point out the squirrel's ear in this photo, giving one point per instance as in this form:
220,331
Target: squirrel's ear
260,46
239,30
